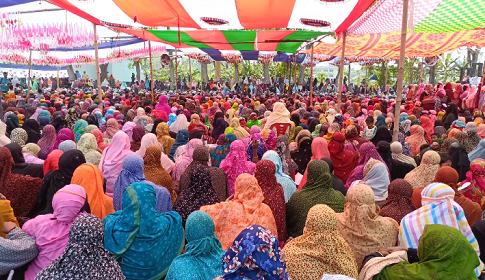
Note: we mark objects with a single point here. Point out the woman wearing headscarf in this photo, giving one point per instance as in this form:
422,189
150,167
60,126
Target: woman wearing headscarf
459,160
90,178
148,140
219,127
320,250
63,135
12,123
476,179
51,231
361,225
194,122
31,153
319,151
397,154
132,172
416,139
180,124
317,190
444,253
162,105
20,190
245,209
57,179
235,164
79,129
181,140
21,167
398,203
171,119
19,136
303,154
112,159
377,178
99,139
4,140
182,162
156,173
84,255
163,137
344,161
352,135
255,253
238,130
47,141
138,133
143,241
424,174
438,208
273,193
220,152
112,127
128,129
450,116
218,177
289,186
445,147
32,128
382,134
283,150
198,193
203,253
89,147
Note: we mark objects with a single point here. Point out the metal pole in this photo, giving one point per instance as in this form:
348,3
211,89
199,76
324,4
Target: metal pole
341,78
98,75
402,56
311,77
151,70
294,82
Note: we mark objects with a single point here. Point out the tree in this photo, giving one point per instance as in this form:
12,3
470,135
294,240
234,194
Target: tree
447,69
104,72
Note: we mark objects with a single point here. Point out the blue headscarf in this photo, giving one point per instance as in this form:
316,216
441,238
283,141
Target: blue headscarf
45,114
181,140
381,121
101,121
289,186
143,241
67,146
255,254
403,117
219,153
203,252
171,118
478,152
109,112
132,172
43,121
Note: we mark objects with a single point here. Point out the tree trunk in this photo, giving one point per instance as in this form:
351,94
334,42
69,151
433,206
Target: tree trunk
137,67
236,73
217,67
71,73
203,75
172,72
432,74
104,72
384,73
266,73
301,76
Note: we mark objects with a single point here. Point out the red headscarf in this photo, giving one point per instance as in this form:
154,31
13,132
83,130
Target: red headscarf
343,161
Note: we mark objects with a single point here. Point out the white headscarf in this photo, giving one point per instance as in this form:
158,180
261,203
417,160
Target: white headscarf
279,115
3,138
179,124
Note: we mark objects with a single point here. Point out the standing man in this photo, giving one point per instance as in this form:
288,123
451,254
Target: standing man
85,77
78,76
4,83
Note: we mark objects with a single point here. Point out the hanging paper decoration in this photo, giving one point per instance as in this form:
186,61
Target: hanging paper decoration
201,58
116,25
315,23
38,36
323,58
363,61
266,58
232,58
9,20
214,21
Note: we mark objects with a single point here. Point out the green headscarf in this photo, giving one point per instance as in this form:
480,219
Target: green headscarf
250,123
444,253
297,130
229,130
316,132
317,190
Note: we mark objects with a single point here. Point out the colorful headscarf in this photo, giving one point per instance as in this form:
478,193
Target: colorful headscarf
398,203
235,164
79,128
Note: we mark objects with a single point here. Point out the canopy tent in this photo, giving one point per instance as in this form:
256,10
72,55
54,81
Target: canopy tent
387,45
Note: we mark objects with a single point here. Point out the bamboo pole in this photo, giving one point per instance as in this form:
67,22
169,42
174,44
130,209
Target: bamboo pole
98,75
190,72
348,78
341,78
421,75
294,82
176,70
29,85
57,79
151,71
311,77
289,74
402,56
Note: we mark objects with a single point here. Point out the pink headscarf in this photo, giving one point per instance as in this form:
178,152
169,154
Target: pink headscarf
236,163
163,105
45,143
481,131
319,151
428,127
112,127
63,135
184,161
51,231
112,159
128,129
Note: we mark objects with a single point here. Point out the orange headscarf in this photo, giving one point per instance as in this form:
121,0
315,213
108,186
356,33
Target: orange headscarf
247,208
6,215
91,179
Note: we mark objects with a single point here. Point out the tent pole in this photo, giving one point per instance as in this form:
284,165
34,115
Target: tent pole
341,78
98,76
29,85
190,72
402,57
57,79
289,74
349,78
176,70
421,75
311,77
151,71
294,82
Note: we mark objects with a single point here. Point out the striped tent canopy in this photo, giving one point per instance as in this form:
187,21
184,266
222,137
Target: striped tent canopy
387,45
